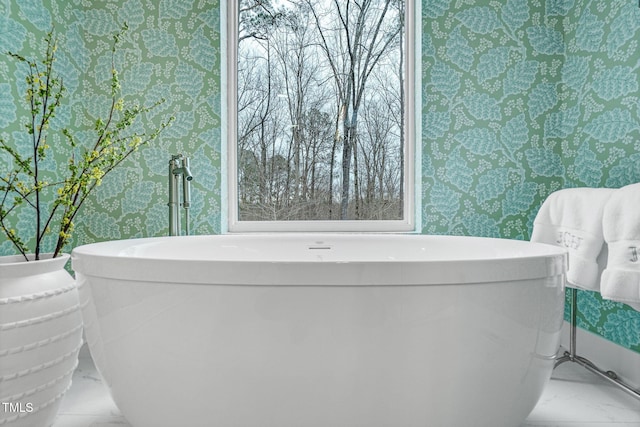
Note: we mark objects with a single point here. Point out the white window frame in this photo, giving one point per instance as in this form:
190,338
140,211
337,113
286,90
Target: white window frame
412,148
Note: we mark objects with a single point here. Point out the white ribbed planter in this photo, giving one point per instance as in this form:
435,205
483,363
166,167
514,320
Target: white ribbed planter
40,336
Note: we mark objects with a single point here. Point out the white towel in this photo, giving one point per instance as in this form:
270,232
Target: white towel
621,228
573,218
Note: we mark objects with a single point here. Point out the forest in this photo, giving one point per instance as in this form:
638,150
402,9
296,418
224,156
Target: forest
321,109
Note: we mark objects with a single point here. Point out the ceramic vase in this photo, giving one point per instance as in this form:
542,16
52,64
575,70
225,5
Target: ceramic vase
40,336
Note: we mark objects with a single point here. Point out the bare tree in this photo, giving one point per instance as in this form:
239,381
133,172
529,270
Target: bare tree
308,70
364,31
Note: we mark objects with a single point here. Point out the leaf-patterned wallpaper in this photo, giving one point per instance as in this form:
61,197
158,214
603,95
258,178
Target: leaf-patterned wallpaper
520,98
171,51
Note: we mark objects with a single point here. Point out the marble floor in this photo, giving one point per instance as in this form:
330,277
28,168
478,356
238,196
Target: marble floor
573,398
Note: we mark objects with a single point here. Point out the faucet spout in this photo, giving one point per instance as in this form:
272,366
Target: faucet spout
186,169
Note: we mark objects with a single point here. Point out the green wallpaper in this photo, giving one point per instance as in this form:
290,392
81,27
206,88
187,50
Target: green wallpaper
171,51
521,98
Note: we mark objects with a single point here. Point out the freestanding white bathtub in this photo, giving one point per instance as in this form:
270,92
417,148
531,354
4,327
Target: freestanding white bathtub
322,330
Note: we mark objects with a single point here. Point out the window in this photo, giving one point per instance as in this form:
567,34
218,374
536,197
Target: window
321,111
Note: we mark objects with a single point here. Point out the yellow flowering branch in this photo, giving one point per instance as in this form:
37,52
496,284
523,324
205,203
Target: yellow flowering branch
87,165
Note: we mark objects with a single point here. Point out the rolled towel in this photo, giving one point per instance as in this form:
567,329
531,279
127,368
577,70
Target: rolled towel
621,229
572,218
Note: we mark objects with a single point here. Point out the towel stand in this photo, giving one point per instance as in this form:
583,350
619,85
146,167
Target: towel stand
570,356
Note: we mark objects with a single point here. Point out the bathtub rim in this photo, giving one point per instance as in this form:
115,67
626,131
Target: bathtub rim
90,260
